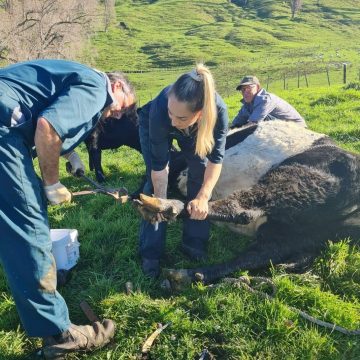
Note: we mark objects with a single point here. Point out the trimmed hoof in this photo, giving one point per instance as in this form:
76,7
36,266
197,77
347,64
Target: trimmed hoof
162,205
180,279
154,209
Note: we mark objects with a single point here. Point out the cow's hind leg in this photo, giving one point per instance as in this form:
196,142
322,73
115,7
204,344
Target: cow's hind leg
276,243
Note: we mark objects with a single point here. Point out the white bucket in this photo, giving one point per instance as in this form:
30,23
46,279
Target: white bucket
65,247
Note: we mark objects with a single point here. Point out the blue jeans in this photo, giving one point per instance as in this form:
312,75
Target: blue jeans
25,245
195,232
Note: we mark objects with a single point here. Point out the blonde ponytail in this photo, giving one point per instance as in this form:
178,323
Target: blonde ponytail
197,89
206,124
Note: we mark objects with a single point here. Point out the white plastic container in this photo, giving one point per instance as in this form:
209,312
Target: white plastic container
65,247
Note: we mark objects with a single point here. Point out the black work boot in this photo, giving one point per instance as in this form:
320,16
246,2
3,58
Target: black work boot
151,267
82,338
194,254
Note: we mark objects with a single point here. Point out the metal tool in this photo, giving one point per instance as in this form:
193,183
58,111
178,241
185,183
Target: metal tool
89,313
120,194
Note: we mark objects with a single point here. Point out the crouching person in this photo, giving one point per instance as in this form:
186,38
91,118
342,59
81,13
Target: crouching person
52,105
191,112
260,105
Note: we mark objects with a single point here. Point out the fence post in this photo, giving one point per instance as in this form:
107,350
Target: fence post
306,80
268,78
284,81
328,77
344,77
298,79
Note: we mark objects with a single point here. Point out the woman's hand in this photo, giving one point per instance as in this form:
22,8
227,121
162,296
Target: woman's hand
198,208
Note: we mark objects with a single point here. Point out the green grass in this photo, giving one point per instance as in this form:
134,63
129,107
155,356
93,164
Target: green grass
232,323
164,38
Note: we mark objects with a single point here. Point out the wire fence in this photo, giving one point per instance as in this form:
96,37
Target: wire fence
228,77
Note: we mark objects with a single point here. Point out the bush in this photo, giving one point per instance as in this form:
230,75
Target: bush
352,85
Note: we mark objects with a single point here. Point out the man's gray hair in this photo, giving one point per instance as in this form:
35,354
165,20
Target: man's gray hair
120,76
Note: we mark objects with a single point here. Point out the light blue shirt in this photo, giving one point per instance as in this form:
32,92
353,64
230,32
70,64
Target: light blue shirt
267,106
69,95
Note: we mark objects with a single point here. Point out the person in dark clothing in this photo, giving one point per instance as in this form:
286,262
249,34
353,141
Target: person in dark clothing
191,112
51,105
259,105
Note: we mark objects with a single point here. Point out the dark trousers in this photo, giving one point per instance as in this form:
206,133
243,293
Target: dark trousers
25,245
195,232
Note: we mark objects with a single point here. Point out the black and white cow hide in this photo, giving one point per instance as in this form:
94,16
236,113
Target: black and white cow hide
289,188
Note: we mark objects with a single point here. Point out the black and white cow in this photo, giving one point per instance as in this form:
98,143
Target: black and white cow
290,188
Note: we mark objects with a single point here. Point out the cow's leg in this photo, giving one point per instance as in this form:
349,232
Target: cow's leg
259,255
291,197
96,160
94,152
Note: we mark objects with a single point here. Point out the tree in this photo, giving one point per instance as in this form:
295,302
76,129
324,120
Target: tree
32,29
295,7
109,13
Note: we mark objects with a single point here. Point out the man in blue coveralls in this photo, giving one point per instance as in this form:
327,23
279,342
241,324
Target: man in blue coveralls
52,105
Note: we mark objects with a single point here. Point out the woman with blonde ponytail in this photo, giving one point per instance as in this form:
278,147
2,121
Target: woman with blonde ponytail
191,112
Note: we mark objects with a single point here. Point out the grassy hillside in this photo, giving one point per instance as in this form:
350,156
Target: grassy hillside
232,39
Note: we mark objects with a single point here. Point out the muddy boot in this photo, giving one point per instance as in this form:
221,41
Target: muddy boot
78,339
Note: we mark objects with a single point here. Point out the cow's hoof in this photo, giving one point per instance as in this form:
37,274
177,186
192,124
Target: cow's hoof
177,280
152,207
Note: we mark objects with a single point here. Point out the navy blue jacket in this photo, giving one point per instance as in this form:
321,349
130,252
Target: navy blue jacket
162,133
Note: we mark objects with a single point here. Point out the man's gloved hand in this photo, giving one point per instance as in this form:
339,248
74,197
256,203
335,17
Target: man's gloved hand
57,193
76,164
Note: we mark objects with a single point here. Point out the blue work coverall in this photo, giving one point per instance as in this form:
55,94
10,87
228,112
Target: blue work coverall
156,137
71,97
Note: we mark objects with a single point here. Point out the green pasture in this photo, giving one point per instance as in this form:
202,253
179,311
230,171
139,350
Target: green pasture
231,322
156,41
260,37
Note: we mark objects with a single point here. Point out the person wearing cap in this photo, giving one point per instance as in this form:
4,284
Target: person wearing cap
51,105
191,112
259,105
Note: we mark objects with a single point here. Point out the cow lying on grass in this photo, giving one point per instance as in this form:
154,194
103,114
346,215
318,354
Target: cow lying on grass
290,188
